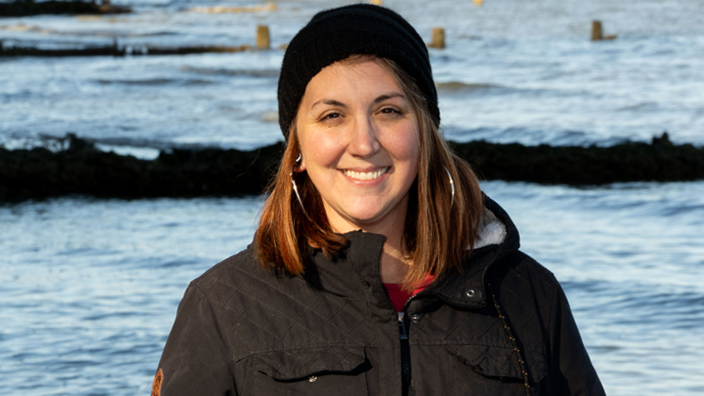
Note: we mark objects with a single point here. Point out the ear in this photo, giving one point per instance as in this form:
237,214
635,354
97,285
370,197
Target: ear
301,166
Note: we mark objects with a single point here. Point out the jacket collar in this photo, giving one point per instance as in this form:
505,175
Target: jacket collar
461,289
498,237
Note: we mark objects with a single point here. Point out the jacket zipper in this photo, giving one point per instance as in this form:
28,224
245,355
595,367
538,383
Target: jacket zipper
405,347
405,354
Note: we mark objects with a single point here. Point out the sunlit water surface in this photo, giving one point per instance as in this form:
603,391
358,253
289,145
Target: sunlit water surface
513,70
89,288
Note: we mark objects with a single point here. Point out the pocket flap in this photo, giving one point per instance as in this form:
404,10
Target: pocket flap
497,362
295,364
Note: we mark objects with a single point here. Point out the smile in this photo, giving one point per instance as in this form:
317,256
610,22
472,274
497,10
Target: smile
365,175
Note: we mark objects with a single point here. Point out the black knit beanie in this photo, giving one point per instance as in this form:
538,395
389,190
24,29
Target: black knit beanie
334,35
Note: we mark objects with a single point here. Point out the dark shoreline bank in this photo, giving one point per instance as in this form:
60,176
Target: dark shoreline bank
21,8
118,50
81,169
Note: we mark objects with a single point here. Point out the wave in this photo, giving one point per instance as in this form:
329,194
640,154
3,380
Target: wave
264,73
461,88
457,87
154,81
642,106
156,144
234,10
21,27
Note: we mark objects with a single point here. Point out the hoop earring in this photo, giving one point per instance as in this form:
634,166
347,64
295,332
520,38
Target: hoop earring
452,187
295,188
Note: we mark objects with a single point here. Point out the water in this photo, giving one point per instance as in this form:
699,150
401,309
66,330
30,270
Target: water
89,288
513,71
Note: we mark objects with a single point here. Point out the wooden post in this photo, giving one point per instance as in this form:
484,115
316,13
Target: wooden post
438,38
263,37
597,31
116,47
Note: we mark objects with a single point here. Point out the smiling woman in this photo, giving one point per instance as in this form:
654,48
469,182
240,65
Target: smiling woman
359,139
378,266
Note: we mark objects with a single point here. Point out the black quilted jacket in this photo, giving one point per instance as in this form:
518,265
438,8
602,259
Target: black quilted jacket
501,327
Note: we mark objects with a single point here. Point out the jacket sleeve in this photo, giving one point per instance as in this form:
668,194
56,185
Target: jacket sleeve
571,370
196,359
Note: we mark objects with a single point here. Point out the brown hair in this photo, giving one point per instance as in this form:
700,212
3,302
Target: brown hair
437,231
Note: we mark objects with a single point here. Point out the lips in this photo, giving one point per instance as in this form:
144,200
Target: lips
365,175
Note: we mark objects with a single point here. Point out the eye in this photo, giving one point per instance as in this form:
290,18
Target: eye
330,116
391,111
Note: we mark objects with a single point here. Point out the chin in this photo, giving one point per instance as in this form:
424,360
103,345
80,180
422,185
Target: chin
367,218
368,214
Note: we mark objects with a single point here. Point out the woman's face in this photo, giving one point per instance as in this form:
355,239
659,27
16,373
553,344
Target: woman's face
360,142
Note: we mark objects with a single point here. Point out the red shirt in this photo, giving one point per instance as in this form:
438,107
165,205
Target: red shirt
399,296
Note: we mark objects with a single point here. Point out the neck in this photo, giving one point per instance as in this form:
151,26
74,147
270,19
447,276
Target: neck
393,264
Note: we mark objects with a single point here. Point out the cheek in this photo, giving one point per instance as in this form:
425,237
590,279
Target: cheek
405,146
318,150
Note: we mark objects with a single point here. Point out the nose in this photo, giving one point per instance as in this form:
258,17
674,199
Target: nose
364,141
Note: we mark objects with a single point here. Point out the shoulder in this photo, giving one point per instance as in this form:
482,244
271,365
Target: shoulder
519,272
239,278
236,267
241,284
528,293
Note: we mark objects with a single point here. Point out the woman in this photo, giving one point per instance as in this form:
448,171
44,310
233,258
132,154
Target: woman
378,266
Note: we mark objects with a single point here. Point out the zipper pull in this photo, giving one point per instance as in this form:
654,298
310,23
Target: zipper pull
402,326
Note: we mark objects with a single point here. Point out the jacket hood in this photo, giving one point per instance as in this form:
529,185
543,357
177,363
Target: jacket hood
466,288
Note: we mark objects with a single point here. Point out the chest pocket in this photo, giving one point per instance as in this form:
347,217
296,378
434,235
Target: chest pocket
337,370
495,369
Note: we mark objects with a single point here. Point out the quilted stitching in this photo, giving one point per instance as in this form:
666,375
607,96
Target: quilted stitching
255,305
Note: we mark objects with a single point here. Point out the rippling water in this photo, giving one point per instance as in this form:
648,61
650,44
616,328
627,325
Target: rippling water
631,259
514,70
89,288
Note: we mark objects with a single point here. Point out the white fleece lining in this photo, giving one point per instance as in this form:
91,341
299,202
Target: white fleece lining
491,230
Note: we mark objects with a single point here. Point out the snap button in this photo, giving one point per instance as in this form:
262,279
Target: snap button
415,318
312,378
470,293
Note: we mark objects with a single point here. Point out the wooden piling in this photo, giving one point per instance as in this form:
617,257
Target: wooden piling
438,38
263,37
597,31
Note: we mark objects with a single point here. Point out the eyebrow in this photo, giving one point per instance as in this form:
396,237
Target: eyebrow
381,98
329,102
389,96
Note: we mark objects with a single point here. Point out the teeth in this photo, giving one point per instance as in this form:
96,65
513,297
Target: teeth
365,175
